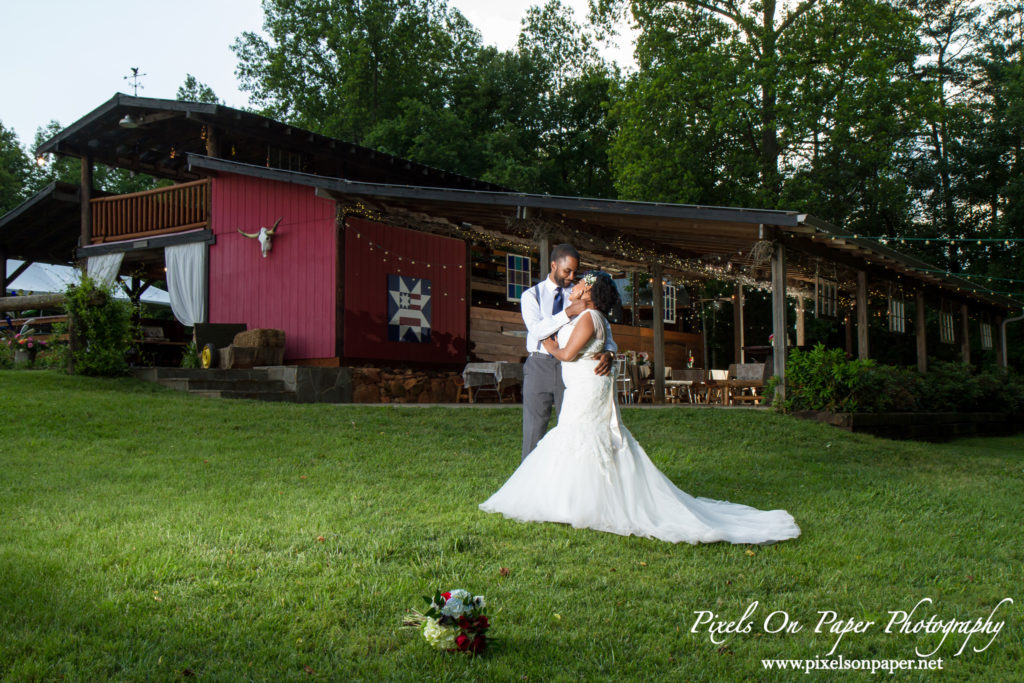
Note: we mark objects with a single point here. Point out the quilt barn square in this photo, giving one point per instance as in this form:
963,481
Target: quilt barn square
408,309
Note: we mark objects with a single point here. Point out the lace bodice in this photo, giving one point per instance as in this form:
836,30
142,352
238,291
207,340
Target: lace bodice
595,344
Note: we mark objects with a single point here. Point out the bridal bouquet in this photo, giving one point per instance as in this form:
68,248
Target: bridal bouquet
454,621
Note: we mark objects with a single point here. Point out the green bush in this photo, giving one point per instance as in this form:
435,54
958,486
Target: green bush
822,379
99,330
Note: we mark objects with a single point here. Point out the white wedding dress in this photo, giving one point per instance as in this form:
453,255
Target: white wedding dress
590,472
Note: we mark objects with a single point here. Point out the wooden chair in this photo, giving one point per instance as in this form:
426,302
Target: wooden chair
746,382
462,391
623,381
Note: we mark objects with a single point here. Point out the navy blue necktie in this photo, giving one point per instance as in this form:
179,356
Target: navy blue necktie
557,307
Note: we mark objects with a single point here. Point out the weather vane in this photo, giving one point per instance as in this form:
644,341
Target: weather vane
134,78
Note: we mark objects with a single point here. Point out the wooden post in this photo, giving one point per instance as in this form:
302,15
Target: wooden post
919,328
212,142
543,257
801,336
658,325
86,198
3,272
862,315
998,341
634,281
965,336
779,317
737,323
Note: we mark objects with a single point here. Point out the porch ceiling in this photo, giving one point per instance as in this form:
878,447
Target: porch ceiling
45,227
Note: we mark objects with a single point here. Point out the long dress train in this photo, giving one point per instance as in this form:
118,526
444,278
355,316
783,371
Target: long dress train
590,472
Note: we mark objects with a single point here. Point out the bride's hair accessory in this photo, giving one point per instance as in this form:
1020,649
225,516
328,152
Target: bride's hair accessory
590,277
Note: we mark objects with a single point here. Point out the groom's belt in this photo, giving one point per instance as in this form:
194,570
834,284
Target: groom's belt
538,354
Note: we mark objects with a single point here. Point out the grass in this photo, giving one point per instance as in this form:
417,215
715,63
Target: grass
150,535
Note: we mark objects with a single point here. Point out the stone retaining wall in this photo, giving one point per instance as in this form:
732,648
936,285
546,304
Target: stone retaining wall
919,426
393,385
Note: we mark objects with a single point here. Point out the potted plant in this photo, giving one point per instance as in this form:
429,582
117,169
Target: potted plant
25,345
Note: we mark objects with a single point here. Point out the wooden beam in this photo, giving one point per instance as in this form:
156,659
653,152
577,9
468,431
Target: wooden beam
862,315
1000,341
919,329
17,271
737,322
779,317
801,328
658,294
86,198
965,336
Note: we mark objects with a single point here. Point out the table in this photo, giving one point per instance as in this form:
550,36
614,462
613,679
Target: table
673,385
494,377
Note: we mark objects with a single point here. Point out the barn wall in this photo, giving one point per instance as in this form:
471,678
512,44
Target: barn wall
293,288
372,252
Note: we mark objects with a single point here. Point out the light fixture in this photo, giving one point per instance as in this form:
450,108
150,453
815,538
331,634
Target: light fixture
41,160
128,122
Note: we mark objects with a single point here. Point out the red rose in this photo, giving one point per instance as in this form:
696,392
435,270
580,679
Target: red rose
462,641
464,622
482,623
446,595
479,643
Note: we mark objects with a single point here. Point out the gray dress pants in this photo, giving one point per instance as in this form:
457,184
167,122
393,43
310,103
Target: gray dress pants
542,388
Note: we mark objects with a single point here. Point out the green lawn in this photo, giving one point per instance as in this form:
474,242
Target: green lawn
150,535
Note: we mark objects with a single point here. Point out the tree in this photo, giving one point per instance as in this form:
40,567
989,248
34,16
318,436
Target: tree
15,171
799,105
414,80
341,67
194,90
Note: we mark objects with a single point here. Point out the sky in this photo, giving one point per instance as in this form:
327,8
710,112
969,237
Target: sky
63,58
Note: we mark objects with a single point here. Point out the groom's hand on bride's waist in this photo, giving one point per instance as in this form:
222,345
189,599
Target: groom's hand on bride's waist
604,365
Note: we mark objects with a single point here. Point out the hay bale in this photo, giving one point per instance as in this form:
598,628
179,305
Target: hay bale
261,337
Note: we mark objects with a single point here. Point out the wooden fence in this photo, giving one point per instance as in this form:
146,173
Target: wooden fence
154,212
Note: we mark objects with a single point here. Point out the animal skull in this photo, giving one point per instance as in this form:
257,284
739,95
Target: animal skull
263,236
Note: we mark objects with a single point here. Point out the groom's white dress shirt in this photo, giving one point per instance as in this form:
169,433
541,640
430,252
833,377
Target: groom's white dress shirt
536,305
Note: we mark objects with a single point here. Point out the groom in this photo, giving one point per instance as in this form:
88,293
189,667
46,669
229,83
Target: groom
545,309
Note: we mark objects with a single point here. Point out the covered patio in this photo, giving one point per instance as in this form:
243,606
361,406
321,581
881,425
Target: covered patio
792,254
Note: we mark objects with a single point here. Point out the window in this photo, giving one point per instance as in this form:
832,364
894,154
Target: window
669,299
947,335
986,336
517,276
281,158
827,302
897,315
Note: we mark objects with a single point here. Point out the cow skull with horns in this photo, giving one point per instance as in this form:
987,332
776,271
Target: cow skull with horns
263,236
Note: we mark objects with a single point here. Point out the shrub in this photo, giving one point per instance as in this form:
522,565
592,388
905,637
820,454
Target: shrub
822,379
99,330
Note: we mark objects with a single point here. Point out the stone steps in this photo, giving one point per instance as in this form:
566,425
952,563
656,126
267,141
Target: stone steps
289,383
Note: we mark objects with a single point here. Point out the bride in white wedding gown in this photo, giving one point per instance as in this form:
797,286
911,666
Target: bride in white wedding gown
590,472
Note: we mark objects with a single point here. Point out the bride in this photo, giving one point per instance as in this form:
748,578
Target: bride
590,472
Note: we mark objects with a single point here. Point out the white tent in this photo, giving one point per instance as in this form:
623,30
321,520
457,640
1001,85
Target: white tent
45,278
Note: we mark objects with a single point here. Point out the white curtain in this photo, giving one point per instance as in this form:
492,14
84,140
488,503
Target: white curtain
186,281
103,269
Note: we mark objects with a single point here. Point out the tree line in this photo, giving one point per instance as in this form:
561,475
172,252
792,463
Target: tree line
898,118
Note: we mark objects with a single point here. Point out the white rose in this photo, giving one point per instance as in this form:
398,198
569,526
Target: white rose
479,602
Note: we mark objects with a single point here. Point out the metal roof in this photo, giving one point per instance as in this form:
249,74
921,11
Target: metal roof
160,133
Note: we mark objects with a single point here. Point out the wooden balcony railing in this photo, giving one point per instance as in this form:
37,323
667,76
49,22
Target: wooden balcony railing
154,212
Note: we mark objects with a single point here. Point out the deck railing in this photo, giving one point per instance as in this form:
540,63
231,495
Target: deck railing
154,212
